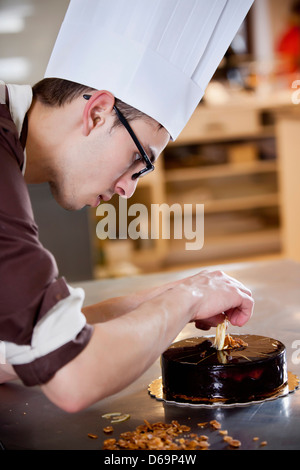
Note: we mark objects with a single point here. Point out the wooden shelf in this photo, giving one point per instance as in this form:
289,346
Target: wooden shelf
219,171
242,203
216,136
242,244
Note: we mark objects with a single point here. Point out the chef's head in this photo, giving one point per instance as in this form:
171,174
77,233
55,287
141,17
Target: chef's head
157,57
99,145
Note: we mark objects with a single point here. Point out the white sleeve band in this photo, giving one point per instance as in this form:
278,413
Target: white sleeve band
59,326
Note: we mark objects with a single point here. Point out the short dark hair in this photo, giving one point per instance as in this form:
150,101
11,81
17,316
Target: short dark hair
57,92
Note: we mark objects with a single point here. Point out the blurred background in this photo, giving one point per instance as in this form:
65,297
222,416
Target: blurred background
238,155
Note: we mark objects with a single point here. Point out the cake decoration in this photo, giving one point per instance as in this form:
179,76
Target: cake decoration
223,341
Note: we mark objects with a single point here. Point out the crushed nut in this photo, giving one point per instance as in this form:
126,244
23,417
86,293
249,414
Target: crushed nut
235,443
92,436
203,444
121,418
110,442
232,442
111,415
215,424
263,443
116,417
108,429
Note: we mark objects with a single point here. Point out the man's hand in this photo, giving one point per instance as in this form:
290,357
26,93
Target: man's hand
216,293
214,288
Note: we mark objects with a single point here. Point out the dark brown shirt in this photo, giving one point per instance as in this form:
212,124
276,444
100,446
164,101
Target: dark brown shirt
29,282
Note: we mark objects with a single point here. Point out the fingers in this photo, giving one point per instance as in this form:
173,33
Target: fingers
201,325
240,315
209,322
218,293
236,316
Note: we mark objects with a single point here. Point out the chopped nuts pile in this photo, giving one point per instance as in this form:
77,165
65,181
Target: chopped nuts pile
158,436
173,436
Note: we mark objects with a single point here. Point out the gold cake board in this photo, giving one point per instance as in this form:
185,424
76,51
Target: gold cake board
155,390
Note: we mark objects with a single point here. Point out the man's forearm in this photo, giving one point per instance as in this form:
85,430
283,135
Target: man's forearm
109,309
117,306
119,351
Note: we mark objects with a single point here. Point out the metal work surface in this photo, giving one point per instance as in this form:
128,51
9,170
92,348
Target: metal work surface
29,421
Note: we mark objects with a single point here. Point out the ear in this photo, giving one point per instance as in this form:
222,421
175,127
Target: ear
99,106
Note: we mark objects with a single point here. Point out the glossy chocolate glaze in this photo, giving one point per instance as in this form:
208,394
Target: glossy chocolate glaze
194,371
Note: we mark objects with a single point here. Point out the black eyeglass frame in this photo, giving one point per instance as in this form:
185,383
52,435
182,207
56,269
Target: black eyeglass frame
149,165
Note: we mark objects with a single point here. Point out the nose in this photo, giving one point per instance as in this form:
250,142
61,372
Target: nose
125,186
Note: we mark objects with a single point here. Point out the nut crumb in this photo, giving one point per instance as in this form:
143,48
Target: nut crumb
263,443
116,417
202,425
92,436
110,442
215,424
108,429
223,432
203,444
234,443
256,438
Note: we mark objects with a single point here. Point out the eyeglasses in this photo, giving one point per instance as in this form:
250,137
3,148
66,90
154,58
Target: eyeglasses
149,166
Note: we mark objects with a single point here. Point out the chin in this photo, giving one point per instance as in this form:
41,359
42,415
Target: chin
71,205
66,202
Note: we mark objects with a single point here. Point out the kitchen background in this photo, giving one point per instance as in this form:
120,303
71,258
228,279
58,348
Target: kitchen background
238,155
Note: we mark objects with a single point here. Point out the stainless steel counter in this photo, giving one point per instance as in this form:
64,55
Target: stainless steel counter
29,421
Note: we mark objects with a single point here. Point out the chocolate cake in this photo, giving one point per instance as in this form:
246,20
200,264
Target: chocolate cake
194,371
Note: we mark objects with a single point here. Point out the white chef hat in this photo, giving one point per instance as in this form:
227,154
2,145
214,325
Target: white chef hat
156,55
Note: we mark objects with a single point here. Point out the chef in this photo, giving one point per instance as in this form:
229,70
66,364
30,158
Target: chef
123,79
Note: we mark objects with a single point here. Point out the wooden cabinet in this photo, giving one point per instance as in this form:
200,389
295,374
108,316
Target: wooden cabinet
289,171
240,206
